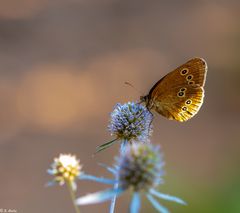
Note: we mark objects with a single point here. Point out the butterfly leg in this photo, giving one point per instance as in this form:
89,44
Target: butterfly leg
150,122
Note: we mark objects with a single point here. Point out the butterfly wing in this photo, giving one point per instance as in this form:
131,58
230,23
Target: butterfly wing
179,95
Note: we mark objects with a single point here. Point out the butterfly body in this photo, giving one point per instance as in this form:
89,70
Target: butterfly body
179,95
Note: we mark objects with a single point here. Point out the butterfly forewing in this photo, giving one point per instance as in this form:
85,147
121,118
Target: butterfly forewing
179,94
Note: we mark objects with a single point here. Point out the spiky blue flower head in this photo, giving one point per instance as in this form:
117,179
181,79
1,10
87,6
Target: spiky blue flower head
131,121
140,167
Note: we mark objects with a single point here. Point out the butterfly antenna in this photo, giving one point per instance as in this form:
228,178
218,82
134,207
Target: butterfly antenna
129,84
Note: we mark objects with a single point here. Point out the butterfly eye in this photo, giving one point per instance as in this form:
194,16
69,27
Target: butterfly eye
184,71
183,89
189,77
188,102
191,82
181,94
184,108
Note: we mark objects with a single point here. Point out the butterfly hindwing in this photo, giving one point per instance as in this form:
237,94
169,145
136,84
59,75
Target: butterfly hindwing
180,103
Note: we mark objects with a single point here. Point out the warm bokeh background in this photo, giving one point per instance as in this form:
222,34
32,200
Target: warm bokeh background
63,66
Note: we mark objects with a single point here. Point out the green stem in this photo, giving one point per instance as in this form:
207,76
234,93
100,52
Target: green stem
105,145
73,196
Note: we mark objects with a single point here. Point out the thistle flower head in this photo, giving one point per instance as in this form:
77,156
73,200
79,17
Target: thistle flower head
140,167
65,168
131,121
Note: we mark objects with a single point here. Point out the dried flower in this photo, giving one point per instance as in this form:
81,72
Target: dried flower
65,168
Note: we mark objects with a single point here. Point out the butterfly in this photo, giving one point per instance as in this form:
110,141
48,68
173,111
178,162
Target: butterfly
179,94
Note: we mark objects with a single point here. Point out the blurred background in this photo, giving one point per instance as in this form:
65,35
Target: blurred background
63,67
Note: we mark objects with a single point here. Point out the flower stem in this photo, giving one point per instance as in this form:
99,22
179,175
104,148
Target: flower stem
113,201
73,196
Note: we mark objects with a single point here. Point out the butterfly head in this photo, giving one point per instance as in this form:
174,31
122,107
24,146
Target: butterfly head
145,99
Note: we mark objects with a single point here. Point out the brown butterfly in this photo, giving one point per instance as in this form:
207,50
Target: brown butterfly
179,94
